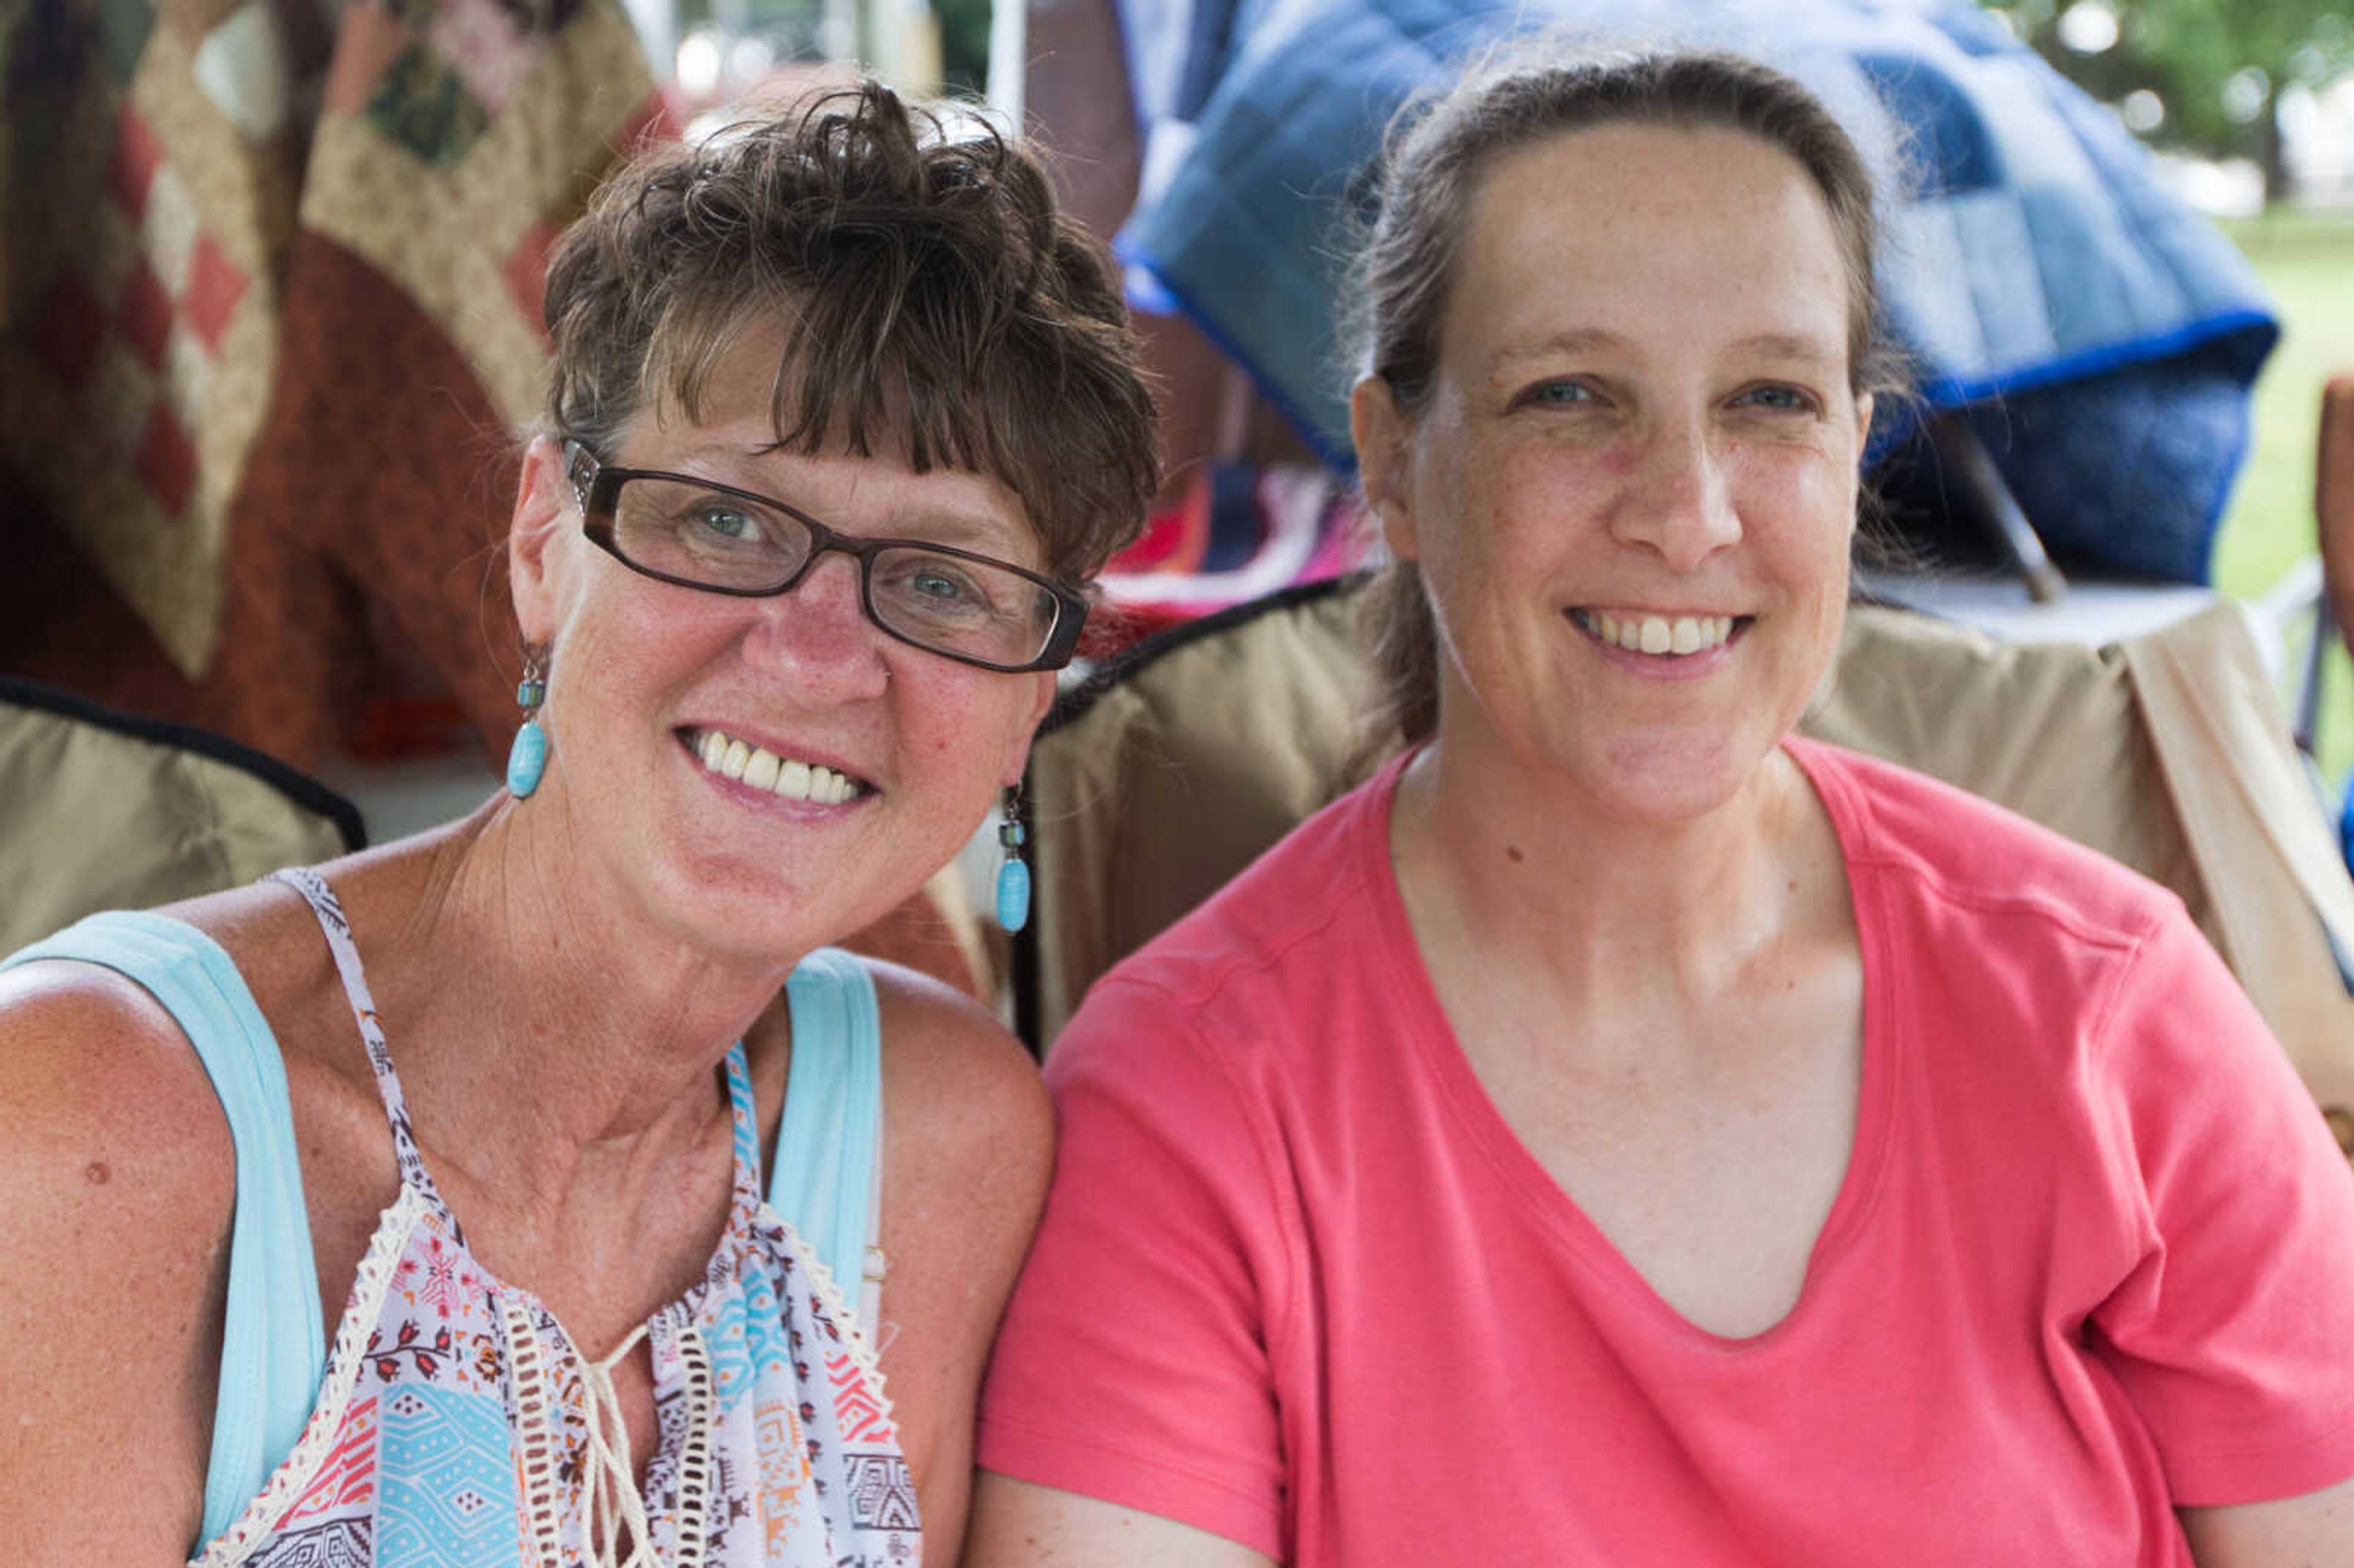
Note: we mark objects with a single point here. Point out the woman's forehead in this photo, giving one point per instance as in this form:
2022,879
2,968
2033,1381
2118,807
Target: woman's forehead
1640,232
875,492
744,391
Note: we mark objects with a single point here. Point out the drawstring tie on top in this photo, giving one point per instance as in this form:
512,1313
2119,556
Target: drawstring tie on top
610,1498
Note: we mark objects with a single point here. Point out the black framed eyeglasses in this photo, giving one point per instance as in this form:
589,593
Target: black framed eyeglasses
680,529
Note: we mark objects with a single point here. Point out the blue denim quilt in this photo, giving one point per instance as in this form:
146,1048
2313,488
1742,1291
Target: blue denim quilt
2102,334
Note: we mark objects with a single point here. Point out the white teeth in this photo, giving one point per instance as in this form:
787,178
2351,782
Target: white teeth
1657,634
763,770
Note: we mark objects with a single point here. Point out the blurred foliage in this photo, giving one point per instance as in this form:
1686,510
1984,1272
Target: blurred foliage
964,45
2188,52
2304,259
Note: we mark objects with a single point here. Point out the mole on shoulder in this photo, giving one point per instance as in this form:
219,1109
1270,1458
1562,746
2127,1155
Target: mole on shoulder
95,1173
1513,853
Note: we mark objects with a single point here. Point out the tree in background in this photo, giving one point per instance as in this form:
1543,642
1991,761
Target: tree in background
964,45
2203,75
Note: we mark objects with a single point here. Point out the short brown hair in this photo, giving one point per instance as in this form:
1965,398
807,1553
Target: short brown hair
942,302
1433,158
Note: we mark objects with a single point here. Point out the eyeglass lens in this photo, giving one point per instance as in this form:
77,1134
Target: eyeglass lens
949,603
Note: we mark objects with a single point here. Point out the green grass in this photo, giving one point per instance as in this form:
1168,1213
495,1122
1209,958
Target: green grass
2306,261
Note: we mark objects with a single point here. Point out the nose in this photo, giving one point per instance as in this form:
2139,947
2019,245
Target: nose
1679,504
817,636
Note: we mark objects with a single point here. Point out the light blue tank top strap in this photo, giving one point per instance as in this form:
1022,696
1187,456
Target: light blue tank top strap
829,1144
273,1344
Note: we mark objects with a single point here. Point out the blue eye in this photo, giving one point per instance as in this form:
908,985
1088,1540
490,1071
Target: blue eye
935,590
1778,399
1561,394
943,586
726,523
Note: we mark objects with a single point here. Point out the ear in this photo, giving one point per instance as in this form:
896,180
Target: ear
1025,724
1381,434
543,503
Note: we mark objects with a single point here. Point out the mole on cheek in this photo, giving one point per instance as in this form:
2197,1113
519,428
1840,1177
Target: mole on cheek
95,1173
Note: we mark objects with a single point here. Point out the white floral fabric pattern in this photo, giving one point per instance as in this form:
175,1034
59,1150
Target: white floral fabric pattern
458,1426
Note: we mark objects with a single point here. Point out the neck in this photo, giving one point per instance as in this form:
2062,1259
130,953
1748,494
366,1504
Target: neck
561,1035
1607,908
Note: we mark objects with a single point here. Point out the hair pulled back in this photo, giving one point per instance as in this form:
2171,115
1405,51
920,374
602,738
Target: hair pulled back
1434,157
937,301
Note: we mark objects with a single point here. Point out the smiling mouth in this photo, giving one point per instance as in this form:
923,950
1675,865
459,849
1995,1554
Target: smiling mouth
787,777
1673,637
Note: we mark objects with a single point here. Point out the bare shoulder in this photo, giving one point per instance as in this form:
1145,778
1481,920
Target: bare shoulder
963,1090
104,1093
121,1179
968,1144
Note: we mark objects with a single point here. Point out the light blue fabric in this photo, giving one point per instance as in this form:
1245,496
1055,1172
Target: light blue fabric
829,1145
2103,334
273,1344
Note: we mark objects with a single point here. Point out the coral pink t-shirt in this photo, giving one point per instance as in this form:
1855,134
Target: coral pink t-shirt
1299,1283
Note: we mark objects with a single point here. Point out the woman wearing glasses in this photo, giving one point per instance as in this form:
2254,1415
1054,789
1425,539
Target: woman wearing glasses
425,1208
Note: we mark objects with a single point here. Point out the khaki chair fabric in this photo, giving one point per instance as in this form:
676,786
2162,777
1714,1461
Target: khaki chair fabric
1160,779
102,811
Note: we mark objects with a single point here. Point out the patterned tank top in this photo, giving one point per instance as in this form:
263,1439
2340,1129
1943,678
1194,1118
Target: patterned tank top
458,1426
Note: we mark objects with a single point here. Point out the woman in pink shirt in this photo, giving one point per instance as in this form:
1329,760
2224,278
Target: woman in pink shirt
1622,1132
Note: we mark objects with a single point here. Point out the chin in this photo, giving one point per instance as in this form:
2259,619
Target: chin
740,905
1671,778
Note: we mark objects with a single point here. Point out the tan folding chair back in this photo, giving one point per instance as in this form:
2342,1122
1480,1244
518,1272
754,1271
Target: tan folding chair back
100,811
1168,773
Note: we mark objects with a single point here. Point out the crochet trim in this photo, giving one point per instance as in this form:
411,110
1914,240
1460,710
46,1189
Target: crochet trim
697,1465
253,1526
829,1296
534,1413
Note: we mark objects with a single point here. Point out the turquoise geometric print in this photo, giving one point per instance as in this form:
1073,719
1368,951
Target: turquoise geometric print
449,1482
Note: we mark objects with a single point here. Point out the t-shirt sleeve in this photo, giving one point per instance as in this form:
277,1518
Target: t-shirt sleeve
2234,1334
1133,1362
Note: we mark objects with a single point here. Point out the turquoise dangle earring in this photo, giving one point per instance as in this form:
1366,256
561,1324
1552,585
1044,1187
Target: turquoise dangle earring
1014,876
527,758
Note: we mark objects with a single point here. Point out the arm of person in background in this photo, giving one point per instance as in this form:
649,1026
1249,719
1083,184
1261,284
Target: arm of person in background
118,1176
968,1144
